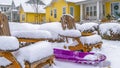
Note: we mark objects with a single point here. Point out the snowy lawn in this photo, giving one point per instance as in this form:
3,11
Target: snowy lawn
109,48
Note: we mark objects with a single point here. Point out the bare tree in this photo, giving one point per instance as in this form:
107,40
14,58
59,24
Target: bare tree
35,4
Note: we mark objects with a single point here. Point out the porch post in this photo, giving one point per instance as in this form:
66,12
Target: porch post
11,15
81,12
98,10
101,10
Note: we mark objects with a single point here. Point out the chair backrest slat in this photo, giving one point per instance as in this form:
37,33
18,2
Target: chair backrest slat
4,26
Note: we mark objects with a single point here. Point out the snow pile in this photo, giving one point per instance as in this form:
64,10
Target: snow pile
91,57
54,28
8,43
88,27
91,39
5,2
4,61
71,33
22,26
111,49
118,19
109,28
34,52
32,34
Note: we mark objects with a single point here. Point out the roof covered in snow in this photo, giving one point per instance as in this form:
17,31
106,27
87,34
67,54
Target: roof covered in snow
5,2
74,1
32,8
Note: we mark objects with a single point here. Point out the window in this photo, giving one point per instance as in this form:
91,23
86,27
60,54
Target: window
95,11
91,11
64,10
55,13
23,17
8,17
72,11
51,12
1,8
103,10
87,11
7,8
4,9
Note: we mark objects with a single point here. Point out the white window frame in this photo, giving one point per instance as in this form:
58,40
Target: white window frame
91,11
64,12
73,10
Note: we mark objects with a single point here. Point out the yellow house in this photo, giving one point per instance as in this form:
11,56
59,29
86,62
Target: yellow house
57,8
32,13
112,7
99,9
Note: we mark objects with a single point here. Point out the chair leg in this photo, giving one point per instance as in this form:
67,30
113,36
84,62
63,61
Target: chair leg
10,57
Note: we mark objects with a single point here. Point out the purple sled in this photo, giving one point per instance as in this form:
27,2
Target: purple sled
77,56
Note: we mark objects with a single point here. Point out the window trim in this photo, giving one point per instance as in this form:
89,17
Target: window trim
73,10
51,12
23,19
91,11
63,11
55,16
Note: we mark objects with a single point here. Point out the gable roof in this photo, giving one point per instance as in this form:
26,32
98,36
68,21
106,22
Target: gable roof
31,8
72,1
5,2
18,2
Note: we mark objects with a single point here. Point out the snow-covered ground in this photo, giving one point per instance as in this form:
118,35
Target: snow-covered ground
109,48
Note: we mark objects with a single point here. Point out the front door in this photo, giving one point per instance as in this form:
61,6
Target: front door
115,8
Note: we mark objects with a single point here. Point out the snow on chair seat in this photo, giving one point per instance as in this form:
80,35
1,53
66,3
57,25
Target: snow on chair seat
32,36
8,43
70,33
35,53
4,62
91,41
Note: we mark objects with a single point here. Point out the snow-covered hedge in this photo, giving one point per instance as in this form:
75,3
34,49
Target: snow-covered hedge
110,31
88,27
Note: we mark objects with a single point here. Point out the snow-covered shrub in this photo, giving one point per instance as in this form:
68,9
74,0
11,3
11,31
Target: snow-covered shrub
88,27
118,20
110,31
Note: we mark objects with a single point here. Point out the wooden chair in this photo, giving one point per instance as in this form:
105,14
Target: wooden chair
5,31
68,23
4,26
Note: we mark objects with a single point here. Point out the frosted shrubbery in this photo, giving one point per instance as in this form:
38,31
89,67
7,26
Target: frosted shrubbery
88,27
110,31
